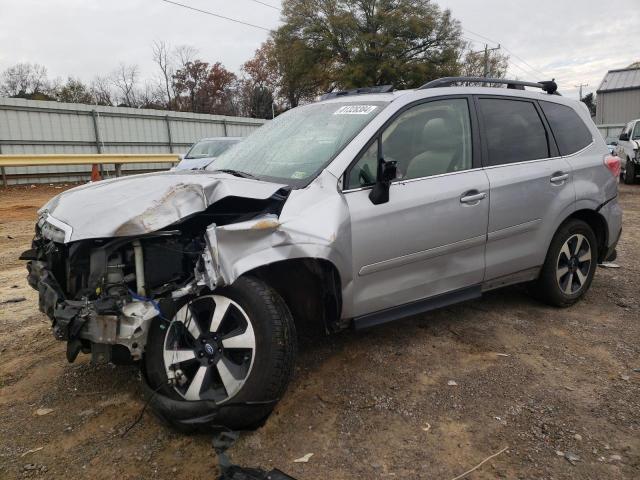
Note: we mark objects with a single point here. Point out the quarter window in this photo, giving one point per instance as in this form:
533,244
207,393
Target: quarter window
569,130
429,139
514,131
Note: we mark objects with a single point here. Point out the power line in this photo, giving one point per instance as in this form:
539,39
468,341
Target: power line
266,4
216,15
533,69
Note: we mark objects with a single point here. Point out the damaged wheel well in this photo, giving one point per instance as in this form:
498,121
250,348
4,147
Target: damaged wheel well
310,287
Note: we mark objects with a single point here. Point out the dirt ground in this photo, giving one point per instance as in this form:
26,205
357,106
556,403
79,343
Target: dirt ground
424,398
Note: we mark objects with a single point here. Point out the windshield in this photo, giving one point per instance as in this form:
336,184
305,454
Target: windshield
210,148
295,146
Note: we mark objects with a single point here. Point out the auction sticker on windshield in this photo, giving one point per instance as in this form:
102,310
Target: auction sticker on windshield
355,110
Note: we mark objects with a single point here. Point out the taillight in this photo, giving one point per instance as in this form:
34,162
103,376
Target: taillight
612,162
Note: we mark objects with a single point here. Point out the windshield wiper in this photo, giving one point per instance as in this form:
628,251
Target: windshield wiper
236,173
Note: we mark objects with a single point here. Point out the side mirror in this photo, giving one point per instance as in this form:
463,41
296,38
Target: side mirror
624,137
387,172
614,143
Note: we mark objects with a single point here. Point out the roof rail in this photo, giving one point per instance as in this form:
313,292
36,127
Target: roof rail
358,91
551,87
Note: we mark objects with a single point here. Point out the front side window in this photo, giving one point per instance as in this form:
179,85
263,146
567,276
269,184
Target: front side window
295,146
429,139
636,132
513,131
569,130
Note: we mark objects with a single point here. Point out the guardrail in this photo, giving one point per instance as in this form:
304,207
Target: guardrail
117,159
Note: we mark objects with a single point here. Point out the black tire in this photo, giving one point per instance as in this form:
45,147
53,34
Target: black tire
629,176
268,377
555,288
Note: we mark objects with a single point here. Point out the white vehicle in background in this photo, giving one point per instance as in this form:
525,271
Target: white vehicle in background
628,149
205,151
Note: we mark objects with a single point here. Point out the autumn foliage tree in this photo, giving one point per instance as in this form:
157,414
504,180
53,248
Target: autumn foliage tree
203,88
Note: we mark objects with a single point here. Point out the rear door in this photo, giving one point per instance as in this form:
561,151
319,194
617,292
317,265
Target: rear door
530,184
429,238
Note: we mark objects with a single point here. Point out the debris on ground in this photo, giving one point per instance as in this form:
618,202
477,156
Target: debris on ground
571,457
609,265
13,300
452,383
43,411
222,441
33,450
304,458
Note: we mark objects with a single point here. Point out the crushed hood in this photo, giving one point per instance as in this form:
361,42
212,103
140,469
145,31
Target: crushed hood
140,204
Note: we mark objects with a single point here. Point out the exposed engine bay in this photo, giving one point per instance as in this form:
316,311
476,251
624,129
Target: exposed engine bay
102,293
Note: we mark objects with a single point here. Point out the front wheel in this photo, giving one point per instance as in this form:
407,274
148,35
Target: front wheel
232,351
629,173
570,265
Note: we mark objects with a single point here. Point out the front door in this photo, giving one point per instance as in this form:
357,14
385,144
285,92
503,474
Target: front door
429,238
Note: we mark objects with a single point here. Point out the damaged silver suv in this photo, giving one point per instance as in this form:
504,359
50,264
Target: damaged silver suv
359,209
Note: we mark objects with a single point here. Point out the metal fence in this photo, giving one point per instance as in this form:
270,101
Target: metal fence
610,130
41,127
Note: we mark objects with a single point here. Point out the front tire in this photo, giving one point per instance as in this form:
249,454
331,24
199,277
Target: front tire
629,176
570,265
228,357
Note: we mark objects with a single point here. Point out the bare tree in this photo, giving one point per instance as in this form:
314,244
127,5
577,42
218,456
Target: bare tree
24,79
184,54
125,79
101,90
166,63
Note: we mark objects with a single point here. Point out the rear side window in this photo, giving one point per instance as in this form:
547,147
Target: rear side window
513,131
568,128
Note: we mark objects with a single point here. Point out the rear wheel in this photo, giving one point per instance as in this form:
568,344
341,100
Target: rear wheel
570,265
232,350
629,173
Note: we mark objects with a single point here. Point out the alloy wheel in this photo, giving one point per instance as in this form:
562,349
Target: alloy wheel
574,264
209,349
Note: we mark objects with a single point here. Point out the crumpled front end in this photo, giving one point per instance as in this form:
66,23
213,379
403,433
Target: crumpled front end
102,293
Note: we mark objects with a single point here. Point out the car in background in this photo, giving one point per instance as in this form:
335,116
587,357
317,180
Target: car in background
612,143
203,152
628,149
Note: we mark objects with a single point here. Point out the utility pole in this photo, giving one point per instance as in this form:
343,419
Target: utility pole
580,87
486,57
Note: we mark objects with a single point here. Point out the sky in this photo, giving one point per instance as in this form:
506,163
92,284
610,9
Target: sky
575,42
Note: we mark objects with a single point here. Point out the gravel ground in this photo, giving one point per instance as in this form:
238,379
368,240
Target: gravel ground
423,398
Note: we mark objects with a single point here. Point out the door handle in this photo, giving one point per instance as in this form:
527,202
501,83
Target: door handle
559,177
472,197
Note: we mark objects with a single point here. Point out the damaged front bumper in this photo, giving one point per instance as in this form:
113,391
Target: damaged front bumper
110,330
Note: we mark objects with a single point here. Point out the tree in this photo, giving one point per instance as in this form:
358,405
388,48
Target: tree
125,79
590,101
74,91
473,64
202,88
163,58
257,91
188,82
101,91
355,43
25,80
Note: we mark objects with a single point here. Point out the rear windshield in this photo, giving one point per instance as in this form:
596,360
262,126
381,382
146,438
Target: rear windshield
293,148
